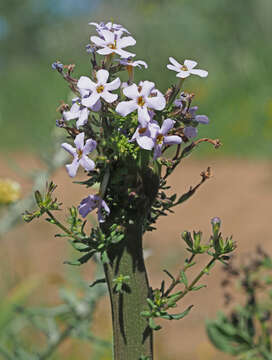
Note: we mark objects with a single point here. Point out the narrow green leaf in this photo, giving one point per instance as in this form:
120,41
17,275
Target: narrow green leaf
153,325
195,288
181,315
183,278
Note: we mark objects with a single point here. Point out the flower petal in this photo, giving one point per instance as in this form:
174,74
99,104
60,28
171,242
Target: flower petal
70,115
102,76
113,85
125,41
97,106
174,62
145,142
126,107
86,205
131,91
172,139
83,117
72,168
172,67
143,115
87,163
139,63
89,146
91,100
183,74
109,97
98,41
108,36
201,73
190,64
147,86
202,119
105,51
167,125
69,148
124,54
79,141
86,83
157,102
190,132
157,151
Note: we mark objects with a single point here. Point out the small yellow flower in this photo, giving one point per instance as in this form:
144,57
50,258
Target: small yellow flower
10,191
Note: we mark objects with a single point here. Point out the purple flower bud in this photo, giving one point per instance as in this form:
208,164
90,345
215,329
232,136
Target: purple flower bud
216,220
90,49
60,123
57,66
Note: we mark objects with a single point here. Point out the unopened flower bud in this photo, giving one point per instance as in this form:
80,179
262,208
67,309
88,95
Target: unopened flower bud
57,66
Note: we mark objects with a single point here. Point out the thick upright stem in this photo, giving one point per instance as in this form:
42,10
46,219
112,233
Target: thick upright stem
131,335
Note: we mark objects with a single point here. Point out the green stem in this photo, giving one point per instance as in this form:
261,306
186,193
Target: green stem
61,226
196,279
177,280
132,337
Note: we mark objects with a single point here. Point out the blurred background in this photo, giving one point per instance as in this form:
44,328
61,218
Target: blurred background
232,40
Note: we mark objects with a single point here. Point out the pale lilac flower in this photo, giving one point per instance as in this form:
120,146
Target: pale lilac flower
77,111
145,135
185,70
162,139
152,136
92,202
109,26
142,97
99,89
80,153
113,43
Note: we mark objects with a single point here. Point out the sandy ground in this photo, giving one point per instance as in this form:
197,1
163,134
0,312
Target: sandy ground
240,193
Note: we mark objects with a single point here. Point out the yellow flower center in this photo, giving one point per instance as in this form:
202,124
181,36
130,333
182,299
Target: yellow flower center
113,46
184,68
79,153
142,130
141,101
159,139
100,89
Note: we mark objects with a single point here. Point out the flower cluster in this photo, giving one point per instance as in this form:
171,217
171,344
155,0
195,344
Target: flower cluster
140,112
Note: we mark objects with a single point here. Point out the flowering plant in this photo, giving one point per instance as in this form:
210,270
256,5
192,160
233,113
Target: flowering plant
122,133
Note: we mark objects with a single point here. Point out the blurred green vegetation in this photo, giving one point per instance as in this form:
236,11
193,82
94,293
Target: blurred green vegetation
232,40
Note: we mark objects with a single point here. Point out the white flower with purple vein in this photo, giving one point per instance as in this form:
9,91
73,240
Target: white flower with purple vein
80,153
155,137
98,90
112,43
185,70
143,97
